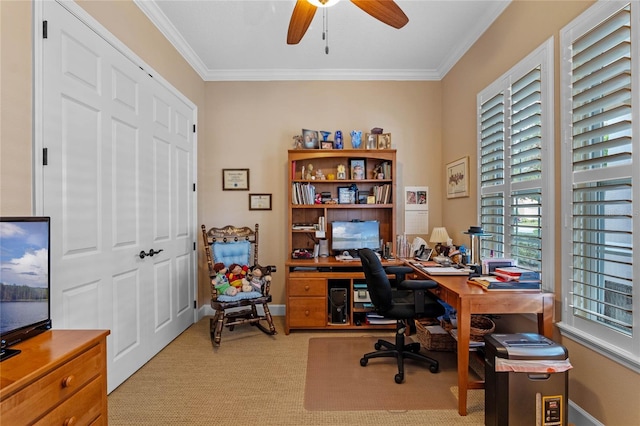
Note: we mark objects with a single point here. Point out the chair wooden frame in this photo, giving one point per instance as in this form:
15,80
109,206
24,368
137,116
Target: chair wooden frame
249,313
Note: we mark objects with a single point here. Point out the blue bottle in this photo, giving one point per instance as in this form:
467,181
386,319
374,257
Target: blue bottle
338,141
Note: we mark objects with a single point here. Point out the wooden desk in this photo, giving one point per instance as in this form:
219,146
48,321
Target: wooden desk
470,299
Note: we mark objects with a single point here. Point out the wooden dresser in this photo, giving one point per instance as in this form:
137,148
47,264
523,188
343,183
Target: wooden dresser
59,378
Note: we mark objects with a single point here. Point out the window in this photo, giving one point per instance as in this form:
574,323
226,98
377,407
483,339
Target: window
515,142
601,179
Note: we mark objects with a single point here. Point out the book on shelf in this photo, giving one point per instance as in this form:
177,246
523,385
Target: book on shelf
493,283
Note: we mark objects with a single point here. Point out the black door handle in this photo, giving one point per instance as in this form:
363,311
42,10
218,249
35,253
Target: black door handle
151,253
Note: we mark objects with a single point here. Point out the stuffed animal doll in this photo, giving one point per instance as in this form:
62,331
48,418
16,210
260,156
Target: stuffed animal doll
257,278
221,282
235,275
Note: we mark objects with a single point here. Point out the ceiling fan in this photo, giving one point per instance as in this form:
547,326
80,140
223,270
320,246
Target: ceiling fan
386,11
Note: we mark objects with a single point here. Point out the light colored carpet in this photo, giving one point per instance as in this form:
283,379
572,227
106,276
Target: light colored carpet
250,379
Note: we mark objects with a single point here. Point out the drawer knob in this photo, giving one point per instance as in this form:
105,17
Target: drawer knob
66,382
306,288
306,313
70,421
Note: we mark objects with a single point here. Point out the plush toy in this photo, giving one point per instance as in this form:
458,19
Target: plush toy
256,279
221,282
235,275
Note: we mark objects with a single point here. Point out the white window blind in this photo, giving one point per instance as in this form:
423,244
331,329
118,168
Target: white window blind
601,176
515,140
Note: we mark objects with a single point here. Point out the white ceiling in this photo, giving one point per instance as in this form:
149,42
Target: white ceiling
226,40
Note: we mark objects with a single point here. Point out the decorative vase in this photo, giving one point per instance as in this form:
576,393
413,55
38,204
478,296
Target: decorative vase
325,135
338,141
356,138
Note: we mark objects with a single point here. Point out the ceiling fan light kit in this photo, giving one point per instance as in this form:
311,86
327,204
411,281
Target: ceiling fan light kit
323,3
386,11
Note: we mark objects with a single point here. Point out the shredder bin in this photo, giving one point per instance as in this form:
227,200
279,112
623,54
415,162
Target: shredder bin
526,380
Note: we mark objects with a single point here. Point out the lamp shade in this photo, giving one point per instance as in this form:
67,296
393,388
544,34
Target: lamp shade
439,235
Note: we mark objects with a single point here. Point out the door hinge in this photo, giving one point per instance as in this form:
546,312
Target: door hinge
194,246
45,156
44,29
195,306
194,128
194,187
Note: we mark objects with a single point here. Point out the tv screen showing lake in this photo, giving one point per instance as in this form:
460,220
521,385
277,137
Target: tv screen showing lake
18,314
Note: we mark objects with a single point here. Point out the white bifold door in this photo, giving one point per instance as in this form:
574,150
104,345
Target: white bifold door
118,183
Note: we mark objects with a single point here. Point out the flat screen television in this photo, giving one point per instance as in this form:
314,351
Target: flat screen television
25,283
354,235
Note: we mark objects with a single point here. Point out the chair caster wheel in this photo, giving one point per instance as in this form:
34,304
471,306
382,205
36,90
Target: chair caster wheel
399,378
364,362
377,346
433,368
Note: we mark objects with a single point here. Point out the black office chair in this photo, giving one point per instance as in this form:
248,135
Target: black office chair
411,299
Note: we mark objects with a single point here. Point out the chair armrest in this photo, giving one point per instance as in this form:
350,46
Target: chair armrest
417,284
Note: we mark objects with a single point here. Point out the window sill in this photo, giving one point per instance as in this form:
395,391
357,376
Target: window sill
624,358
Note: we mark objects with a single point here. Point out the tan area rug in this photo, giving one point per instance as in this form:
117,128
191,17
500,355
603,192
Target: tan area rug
336,381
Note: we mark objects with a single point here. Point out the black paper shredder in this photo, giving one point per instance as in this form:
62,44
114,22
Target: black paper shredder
526,380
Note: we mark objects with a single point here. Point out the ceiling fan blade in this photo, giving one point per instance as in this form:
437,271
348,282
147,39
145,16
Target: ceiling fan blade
301,18
386,11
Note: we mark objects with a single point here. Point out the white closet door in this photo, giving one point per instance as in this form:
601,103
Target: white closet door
118,182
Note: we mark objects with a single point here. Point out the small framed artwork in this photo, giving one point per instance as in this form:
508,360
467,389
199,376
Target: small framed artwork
384,141
345,195
326,145
458,178
358,169
310,139
371,140
259,201
235,179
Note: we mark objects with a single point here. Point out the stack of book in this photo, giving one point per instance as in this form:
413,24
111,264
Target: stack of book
373,318
510,278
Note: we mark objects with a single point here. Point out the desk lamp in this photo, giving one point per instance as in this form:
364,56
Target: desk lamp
439,235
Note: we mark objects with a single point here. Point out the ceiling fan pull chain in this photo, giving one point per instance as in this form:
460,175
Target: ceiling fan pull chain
325,29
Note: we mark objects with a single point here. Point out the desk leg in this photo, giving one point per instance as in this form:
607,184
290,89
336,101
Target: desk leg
545,319
464,330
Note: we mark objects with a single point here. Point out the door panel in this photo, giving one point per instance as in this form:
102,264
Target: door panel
118,182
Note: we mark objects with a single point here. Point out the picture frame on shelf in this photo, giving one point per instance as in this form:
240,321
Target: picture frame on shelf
458,178
259,201
310,139
345,195
235,179
384,141
358,168
371,141
326,145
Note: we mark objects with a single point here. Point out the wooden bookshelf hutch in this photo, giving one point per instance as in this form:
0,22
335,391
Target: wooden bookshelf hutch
309,282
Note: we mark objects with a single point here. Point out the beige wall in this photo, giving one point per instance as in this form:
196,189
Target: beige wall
605,389
250,125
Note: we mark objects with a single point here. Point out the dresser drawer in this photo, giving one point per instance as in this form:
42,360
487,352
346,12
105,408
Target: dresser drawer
307,287
83,408
45,393
307,311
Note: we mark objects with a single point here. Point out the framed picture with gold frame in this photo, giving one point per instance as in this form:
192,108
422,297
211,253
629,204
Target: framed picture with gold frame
384,141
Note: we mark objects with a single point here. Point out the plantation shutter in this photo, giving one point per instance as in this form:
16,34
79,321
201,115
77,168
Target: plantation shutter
601,151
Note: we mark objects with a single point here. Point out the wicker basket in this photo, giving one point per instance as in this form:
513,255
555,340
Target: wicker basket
480,325
434,337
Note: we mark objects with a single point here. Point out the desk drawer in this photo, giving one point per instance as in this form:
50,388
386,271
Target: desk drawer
307,311
45,393
307,286
446,295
